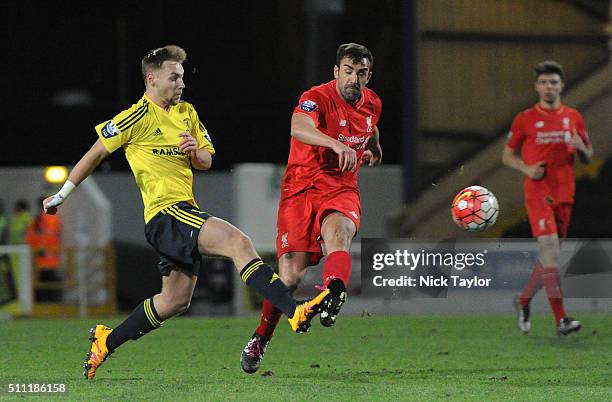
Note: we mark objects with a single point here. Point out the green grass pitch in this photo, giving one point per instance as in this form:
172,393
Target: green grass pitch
371,358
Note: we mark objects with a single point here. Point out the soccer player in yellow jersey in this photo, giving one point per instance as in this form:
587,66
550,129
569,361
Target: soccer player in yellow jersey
164,139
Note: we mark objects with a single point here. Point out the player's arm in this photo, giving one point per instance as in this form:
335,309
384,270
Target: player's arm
373,153
80,172
511,159
304,130
201,159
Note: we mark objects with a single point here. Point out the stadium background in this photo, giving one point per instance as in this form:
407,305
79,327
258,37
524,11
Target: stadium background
451,76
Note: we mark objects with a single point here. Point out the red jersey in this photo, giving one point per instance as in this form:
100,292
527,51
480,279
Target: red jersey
544,135
352,125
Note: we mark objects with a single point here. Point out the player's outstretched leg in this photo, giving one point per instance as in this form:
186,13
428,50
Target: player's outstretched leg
98,352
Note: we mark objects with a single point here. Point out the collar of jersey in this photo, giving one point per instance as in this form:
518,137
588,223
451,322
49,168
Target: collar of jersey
156,105
542,110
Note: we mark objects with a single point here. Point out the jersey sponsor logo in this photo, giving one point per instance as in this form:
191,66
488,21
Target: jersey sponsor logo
539,124
552,137
353,140
168,151
308,106
109,130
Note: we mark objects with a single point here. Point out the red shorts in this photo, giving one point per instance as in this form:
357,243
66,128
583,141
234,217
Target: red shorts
300,217
547,217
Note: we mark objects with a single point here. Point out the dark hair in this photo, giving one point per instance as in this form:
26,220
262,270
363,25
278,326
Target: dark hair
156,57
355,52
549,67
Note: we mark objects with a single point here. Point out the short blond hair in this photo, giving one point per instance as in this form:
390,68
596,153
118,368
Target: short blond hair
156,57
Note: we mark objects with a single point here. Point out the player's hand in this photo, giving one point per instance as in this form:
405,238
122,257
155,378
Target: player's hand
536,171
577,143
50,204
373,157
188,144
347,157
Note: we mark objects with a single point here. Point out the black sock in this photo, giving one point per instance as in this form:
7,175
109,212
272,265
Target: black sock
143,320
336,287
263,279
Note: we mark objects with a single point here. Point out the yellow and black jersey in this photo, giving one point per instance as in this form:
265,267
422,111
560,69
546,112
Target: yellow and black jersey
150,137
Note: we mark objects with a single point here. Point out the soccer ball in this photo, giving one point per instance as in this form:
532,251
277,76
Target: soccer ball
475,209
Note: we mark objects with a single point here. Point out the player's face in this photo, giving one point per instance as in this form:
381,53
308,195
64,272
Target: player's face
352,77
167,82
549,88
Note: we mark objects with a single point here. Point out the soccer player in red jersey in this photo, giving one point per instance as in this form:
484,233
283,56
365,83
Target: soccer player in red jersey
333,130
548,135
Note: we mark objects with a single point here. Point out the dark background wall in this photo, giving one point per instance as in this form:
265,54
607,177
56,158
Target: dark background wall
248,63
451,74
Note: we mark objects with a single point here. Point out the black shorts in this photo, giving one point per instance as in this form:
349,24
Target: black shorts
173,233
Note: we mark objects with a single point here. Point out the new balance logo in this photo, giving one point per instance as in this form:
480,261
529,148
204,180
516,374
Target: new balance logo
158,131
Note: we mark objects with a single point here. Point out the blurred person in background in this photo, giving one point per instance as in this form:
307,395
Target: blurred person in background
548,136
20,222
44,236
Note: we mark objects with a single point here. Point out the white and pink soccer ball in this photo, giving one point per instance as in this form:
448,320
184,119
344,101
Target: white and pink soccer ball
475,209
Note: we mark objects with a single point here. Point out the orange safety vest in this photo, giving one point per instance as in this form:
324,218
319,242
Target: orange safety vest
44,236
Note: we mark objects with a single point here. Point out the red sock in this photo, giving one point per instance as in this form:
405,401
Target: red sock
552,283
337,265
270,316
533,285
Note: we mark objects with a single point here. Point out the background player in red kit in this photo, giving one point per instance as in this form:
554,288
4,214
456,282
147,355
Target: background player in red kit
548,135
333,130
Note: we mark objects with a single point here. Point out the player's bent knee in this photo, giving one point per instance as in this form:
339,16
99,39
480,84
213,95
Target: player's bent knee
241,241
340,238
